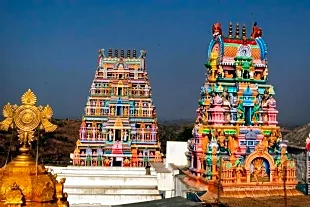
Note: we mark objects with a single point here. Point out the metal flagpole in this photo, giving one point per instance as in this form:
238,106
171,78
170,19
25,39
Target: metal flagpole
37,153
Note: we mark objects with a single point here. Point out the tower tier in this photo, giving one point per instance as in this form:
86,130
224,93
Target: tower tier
119,127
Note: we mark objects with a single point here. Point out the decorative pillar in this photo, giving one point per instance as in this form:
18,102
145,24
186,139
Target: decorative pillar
198,164
192,161
248,176
113,134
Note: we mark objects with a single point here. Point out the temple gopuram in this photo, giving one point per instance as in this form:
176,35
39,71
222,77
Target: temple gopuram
237,147
119,127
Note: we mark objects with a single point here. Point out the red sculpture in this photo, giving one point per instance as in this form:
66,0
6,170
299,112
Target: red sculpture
216,29
256,32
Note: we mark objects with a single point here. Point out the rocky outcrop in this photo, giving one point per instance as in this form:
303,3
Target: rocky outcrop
298,154
297,137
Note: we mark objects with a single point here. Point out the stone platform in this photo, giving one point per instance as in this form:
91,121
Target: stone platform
107,186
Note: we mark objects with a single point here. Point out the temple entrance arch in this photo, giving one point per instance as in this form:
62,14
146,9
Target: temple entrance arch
259,165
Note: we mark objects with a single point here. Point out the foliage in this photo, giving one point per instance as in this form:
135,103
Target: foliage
55,148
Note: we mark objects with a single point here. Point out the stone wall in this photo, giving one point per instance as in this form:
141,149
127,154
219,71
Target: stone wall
298,154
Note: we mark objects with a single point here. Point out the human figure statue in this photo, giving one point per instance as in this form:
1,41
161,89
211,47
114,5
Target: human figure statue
126,162
83,133
265,73
110,135
125,136
94,133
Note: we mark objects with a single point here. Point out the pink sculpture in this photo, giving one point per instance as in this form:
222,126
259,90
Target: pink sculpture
308,143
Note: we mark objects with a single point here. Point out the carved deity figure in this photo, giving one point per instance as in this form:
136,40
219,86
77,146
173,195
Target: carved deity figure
265,73
232,144
107,161
240,110
94,131
256,31
126,162
83,133
239,171
110,135
258,76
259,170
266,98
239,70
221,139
255,111
125,111
216,29
272,139
220,72
251,72
125,136
205,143
283,155
112,111
265,141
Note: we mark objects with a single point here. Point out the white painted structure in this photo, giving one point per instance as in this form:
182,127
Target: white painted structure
107,186
176,153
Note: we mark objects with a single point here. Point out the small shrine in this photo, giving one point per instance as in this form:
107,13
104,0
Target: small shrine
237,146
22,181
119,127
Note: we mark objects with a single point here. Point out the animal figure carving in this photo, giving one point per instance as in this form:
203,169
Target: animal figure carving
256,32
216,29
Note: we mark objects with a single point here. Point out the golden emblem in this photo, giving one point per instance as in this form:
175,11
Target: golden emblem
23,182
27,117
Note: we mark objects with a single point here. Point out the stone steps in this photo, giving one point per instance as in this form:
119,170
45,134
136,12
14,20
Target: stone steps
112,190
108,185
100,170
109,180
111,199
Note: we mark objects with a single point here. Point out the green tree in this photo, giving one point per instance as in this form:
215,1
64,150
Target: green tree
185,134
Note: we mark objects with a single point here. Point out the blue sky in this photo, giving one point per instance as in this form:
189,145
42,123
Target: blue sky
51,47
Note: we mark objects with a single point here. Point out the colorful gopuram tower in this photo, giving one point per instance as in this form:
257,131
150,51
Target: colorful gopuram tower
236,140
119,127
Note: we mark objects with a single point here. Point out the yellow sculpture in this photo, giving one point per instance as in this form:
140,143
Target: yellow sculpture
213,64
22,181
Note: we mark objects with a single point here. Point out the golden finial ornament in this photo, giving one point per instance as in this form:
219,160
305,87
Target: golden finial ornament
22,181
